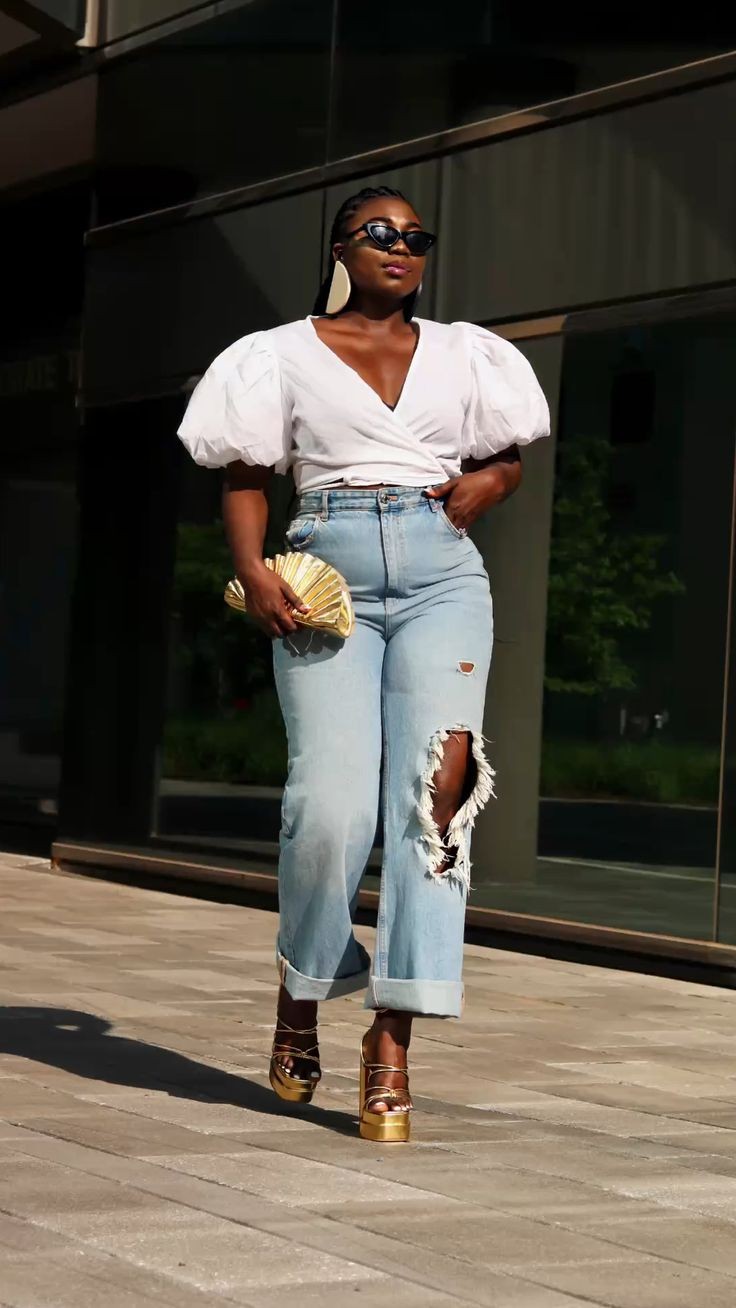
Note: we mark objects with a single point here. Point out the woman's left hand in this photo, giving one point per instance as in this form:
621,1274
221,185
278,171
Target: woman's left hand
471,494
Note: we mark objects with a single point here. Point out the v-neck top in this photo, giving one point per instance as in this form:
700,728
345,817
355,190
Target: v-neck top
283,398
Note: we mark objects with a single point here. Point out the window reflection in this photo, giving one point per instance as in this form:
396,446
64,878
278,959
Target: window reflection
39,436
442,65
38,522
223,751
636,629
254,93
231,101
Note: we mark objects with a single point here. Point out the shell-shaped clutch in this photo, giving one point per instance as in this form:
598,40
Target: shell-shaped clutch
316,583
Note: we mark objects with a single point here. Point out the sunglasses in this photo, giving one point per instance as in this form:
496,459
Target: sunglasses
385,236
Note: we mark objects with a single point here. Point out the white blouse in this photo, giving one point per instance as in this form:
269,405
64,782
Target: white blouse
283,398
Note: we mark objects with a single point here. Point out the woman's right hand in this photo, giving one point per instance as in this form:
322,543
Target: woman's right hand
269,601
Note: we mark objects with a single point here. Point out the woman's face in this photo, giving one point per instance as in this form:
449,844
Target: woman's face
389,273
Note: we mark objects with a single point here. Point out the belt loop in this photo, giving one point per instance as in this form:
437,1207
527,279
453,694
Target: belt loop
325,511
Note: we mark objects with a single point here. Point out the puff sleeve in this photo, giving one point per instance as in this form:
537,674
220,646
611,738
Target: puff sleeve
507,405
238,409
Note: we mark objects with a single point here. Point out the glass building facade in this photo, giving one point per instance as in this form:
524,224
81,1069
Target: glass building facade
585,196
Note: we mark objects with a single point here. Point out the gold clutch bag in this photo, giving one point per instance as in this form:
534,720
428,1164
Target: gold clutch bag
316,583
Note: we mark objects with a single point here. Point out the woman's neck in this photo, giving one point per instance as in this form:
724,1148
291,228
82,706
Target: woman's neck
377,317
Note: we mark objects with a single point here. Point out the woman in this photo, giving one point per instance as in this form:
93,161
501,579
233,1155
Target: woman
400,433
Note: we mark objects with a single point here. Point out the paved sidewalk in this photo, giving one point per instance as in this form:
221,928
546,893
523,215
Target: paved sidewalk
574,1143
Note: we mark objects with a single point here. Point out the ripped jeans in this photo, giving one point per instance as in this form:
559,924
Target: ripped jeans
366,720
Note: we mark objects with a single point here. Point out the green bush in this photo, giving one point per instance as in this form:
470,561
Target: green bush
249,747
661,772
605,584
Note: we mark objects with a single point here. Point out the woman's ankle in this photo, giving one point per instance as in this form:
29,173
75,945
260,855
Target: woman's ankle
295,1042
387,1045
392,1026
299,1013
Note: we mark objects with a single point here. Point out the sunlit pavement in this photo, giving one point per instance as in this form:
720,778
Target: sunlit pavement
574,1142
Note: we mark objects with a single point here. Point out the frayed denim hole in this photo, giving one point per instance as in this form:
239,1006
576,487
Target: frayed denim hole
456,842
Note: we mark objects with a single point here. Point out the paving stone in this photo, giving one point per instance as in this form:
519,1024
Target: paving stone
87,936
302,1183
694,1240
653,1282
200,979
378,1293
29,1284
402,1261
389,1294
84,1278
575,1139
51,1195
121,1133
206,1251
498,1241
18,1236
203,1115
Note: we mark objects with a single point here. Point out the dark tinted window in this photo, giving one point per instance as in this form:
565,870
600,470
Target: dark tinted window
254,94
39,359
215,106
435,65
636,634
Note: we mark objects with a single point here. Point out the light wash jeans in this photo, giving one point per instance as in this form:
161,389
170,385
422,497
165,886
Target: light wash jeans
366,720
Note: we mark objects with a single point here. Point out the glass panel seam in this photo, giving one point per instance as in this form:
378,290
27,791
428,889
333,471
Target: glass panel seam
726,686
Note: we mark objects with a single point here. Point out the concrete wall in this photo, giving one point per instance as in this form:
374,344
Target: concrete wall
514,541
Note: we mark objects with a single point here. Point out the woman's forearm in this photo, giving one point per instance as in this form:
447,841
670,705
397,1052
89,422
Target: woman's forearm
502,472
245,515
482,483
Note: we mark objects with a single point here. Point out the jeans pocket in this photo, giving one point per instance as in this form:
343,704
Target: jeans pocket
458,532
301,531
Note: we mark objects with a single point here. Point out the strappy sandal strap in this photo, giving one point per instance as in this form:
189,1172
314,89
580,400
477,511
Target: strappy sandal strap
384,1094
294,1030
376,1094
385,1067
281,1050
291,1051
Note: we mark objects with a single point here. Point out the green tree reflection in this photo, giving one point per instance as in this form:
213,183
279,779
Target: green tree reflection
603,584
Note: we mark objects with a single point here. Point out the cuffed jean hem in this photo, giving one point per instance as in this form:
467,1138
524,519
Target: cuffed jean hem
431,998
300,986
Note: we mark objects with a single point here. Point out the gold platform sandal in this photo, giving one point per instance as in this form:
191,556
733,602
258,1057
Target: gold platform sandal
297,1089
394,1124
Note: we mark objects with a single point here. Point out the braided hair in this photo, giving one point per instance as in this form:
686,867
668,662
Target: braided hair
345,213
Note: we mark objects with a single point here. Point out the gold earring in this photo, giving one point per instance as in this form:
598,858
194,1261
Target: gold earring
340,288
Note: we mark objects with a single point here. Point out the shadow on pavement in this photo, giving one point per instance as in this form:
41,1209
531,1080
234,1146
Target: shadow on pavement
86,1045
